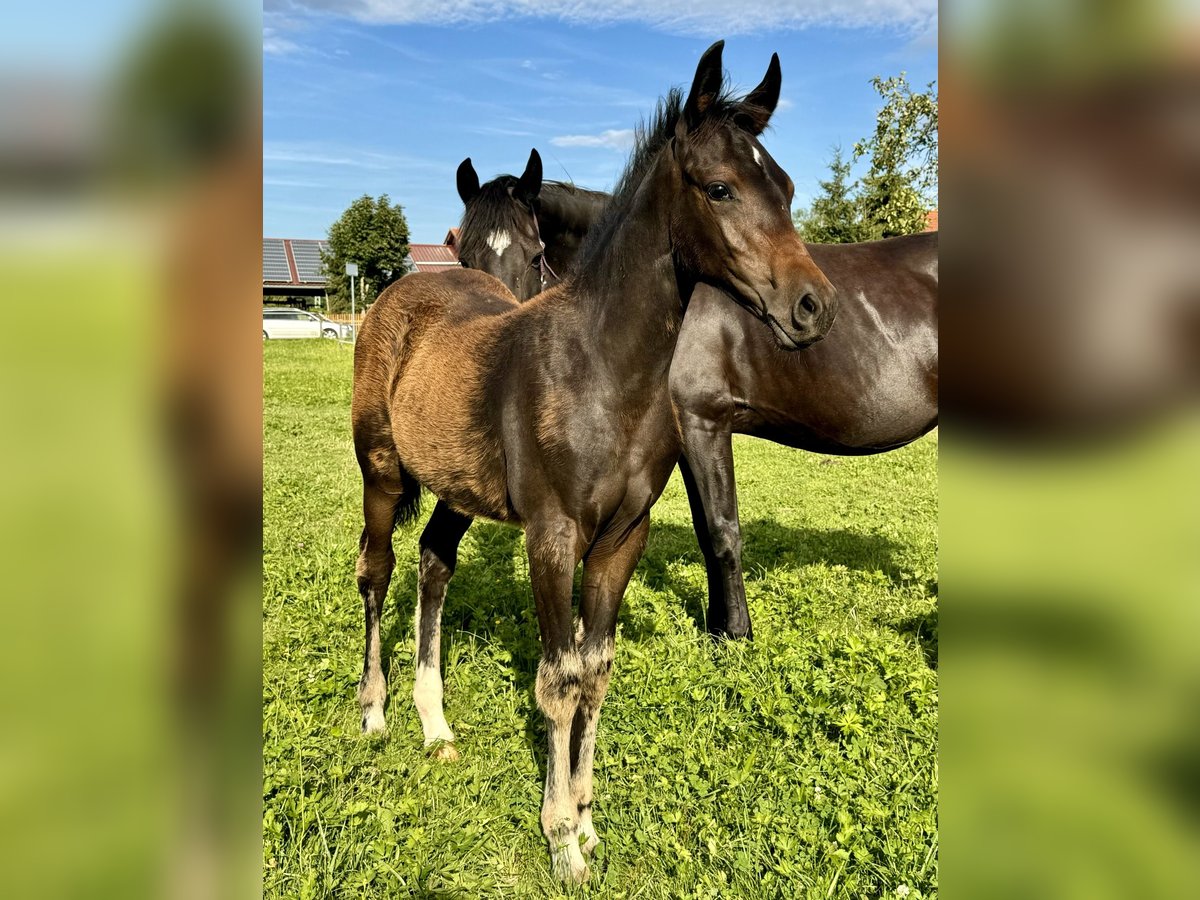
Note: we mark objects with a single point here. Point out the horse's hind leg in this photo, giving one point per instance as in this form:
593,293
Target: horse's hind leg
439,555
606,573
375,563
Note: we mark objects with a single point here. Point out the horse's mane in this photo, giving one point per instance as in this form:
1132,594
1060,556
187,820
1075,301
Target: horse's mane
573,208
493,209
580,209
650,137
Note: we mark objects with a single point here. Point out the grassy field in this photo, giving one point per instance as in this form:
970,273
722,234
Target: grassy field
802,765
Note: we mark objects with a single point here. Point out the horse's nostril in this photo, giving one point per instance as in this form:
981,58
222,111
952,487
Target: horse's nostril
805,311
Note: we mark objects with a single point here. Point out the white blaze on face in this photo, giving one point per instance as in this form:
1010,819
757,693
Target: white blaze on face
757,156
499,241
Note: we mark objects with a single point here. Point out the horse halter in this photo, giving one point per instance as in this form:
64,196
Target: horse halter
543,266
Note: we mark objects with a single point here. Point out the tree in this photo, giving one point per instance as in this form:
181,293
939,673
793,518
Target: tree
374,234
900,186
834,217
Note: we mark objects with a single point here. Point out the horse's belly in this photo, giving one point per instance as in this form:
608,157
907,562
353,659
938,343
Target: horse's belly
444,443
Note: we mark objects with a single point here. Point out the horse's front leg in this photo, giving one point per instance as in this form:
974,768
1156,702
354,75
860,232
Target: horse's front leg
707,469
606,573
552,559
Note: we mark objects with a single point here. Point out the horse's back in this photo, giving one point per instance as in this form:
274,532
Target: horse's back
885,265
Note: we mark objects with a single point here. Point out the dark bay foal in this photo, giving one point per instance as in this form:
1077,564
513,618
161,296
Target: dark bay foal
555,415
870,386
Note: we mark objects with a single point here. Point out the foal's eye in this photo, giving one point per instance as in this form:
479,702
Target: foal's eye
536,262
719,191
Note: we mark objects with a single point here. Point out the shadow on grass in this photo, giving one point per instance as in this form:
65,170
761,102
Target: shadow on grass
490,597
767,547
925,630
485,597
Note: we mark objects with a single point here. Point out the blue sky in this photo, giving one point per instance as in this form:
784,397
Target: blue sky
361,96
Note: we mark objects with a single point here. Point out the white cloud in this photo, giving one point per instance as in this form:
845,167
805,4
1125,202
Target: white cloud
275,45
328,155
708,18
614,138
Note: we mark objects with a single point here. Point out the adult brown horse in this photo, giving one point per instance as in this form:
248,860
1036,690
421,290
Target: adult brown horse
870,386
556,414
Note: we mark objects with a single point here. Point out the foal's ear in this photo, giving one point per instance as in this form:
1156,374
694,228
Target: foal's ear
705,86
530,183
468,181
761,102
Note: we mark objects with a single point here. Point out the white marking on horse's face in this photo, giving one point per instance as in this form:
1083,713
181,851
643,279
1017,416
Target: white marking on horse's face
757,156
499,241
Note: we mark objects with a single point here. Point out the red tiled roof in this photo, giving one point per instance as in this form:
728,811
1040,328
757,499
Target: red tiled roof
931,220
432,257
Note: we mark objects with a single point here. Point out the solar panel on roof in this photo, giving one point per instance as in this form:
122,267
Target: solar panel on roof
307,255
275,265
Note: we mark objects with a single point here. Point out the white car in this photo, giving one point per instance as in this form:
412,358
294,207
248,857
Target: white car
296,323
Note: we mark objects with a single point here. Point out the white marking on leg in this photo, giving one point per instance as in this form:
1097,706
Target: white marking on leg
372,687
587,831
757,156
557,691
427,689
372,693
427,695
597,671
499,241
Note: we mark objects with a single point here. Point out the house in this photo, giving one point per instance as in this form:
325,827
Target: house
292,271
434,257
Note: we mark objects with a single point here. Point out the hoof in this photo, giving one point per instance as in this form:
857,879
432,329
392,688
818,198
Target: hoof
444,751
568,864
732,634
373,722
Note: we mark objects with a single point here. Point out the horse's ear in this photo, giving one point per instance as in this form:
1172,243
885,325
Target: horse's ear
761,102
705,86
530,183
468,181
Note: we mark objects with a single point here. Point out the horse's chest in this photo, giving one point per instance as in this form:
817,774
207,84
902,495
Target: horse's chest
635,462
614,459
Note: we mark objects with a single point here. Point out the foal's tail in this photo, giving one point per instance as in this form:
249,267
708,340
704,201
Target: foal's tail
409,506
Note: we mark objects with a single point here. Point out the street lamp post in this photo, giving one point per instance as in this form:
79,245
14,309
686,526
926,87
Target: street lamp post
352,271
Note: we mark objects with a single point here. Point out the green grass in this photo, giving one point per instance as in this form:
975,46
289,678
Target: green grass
802,765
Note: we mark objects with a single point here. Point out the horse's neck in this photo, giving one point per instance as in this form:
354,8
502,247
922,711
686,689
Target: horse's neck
629,292
571,212
565,221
